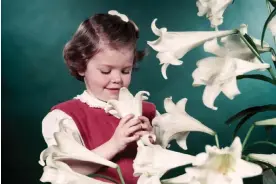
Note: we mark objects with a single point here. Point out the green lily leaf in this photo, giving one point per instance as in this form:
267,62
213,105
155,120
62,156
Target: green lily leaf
251,42
269,177
268,130
261,142
271,15
256,109
242,122
273,3
258,77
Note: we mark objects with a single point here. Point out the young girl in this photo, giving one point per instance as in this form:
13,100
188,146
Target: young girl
102,54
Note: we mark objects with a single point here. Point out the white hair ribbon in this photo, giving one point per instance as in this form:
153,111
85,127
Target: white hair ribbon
122,16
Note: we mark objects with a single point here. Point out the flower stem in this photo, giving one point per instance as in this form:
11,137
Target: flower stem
261,142
273,75
248,135
216,139
120,175
269,10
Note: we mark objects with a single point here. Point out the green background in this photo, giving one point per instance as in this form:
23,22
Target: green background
34,76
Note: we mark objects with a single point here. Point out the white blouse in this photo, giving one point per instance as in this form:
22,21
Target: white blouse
51,122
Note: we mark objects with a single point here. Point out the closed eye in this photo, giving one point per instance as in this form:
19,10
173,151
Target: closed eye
105,72
126,71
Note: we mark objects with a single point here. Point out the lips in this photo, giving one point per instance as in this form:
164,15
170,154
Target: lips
113,90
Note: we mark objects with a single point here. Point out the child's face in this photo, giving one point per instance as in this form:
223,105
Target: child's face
108,71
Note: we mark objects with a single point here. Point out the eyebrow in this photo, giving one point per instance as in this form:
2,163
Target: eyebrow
111,66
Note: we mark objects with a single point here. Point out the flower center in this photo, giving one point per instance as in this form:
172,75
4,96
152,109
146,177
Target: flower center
223,163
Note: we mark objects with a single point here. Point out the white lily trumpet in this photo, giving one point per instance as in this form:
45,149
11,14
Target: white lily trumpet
171,46
213,9
219,74
127,103
176,124
219,166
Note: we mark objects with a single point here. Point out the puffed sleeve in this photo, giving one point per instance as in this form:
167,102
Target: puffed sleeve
52,123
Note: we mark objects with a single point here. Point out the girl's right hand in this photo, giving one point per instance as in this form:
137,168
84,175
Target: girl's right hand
124,133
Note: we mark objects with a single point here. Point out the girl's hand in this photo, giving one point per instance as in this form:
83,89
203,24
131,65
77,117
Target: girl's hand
146,128
125,132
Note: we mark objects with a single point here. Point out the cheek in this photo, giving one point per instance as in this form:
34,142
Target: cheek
97,79
126,80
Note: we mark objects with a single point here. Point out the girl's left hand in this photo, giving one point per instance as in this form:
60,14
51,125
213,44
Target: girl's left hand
146,126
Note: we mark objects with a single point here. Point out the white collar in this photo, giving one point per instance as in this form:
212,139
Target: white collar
94,102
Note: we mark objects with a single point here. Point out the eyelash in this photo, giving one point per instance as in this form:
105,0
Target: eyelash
105,73
123,72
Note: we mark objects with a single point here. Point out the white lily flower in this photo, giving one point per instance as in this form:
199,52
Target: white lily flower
213,9
221,166
266,122
272,26
219,74
68,148
267,158
171,46
176,124
127,103
234,46
153,161
61,173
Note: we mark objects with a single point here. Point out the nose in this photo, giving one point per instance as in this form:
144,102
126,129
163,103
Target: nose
116,77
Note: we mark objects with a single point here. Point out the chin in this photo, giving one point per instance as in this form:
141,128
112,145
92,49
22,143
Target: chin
114,97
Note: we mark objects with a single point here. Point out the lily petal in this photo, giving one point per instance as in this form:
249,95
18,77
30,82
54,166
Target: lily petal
181,179
244,66
125,95
267,158
210,93
167,57
155,160
247,169
266,122
236,147
213,47
145,179
230,88
272,26
164,70
181,139
62,174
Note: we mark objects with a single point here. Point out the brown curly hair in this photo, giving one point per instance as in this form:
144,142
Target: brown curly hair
98,30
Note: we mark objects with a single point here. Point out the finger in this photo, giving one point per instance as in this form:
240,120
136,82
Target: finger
144,119
133,129
141,133
146,127
125,119
132,122
132,138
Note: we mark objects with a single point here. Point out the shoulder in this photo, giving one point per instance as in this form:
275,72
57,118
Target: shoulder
67,104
